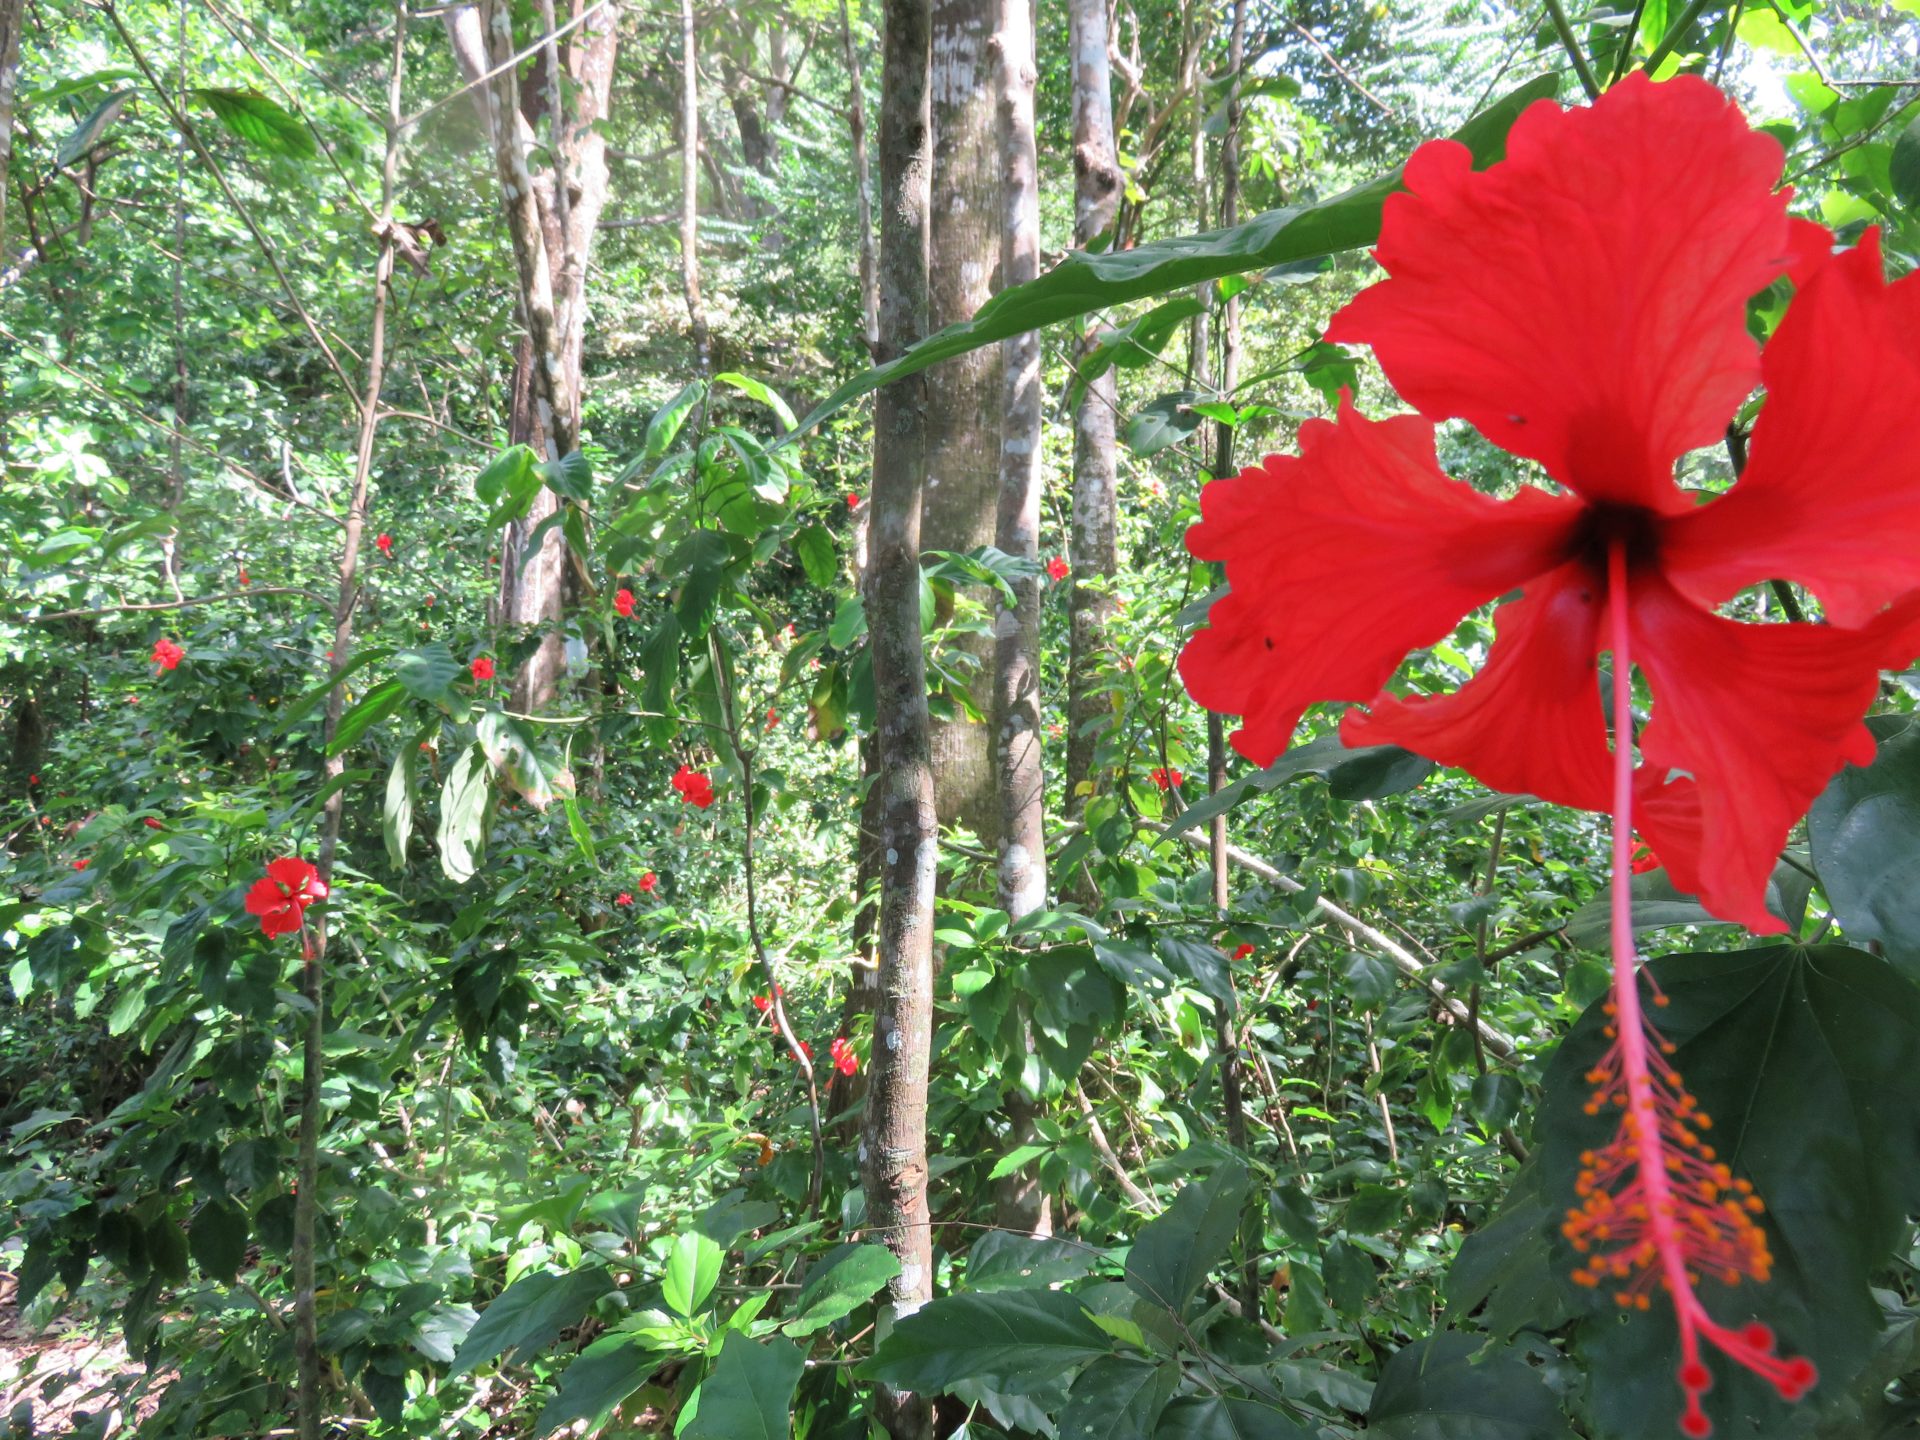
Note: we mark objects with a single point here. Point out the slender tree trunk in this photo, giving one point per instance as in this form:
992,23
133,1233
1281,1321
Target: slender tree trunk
964,394
863,182
1092,552
690,187
894,1133
306,1205
13,16
1019,777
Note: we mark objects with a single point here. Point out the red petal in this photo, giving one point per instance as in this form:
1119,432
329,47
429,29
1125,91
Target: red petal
1341,561
1831,498
1531,720
1583,303
1760,716
265,897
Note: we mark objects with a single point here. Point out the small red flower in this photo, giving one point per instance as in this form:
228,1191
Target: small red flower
482,668
844,1060
694,787
33,779
1057,569
1166,779
773,718
167,655
1243,952
82,863
383,543
764,1003
623,601
281,897
152,824
806,1049
649,883
1644,860
245,579
853,501
623,898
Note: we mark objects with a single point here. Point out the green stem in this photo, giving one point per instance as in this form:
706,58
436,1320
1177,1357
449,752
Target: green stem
1571,44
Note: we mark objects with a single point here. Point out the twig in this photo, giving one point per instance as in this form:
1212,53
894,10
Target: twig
1104,1149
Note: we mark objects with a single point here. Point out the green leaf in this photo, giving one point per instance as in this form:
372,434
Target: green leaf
1174,1253
1161,423
1371,772
217,1240
87,134
764,393
693,1267
1350,1276
1085,282
529,1313
600,1377
849,623
373,707
521,767
429,672
463,816
1015,1341
1367,980
396,813
1803,1057
1864,832
262,123
570,477
749,1395
844,1279
1138,342
1117,1397
1441,1389
1905,165
578,828
1495,1100
814,546
664,428
1005,1260
505,474
1226,1417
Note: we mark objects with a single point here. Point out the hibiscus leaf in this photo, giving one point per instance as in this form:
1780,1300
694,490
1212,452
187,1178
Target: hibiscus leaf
1085,282
600,1377
1162,423
1864,832
463,816
1447,1386
749,1394
1803,1057
262,123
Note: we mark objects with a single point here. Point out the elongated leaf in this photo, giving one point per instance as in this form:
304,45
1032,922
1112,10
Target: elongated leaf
396,814
463,816
429,672
1227,1417
1118,1398
1174,1253
529,1313
1083,283
89,132
814,546
1014,1341
520,766
262,123
664,428
762,392
603,1375
373,707
504,473
749,1395
217,1239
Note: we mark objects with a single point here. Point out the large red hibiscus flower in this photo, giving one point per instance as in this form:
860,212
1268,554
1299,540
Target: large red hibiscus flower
1583,304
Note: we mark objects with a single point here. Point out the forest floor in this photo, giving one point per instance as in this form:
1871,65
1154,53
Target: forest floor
52,1379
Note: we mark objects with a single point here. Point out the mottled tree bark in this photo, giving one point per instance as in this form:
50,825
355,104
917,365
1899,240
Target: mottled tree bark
1019,777
1096,196
893,1147
863,183
13,15
963,395
551,225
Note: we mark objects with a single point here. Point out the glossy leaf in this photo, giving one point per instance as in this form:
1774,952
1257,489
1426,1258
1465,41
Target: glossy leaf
693,1267
1864,832
1371,772
749,1395
529,1313
844,1279
1175,1252
1014,1340
600,1377
262,123
1444,1389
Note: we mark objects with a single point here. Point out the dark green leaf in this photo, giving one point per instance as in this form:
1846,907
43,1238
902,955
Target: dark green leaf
1014,1340
844,1279
693,1266
429,672
1438,1389
1225,1417
1905,165
1349,1273
1003,1260
1174,1253
1161,423
749,1395
529,1313
217,1238
570,477
600,1377
505,474
1117,1398
373,707
1369,773
87,134
664,428
1864,832
814,546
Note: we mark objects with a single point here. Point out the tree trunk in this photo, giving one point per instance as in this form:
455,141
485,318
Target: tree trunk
893,1157
690,188
551,225
1092,552
13,16
963,395
863,183
1019,778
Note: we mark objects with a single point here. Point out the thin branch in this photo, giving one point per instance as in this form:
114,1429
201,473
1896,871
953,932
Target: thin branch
1341,70
509,63
187,604
1571,44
